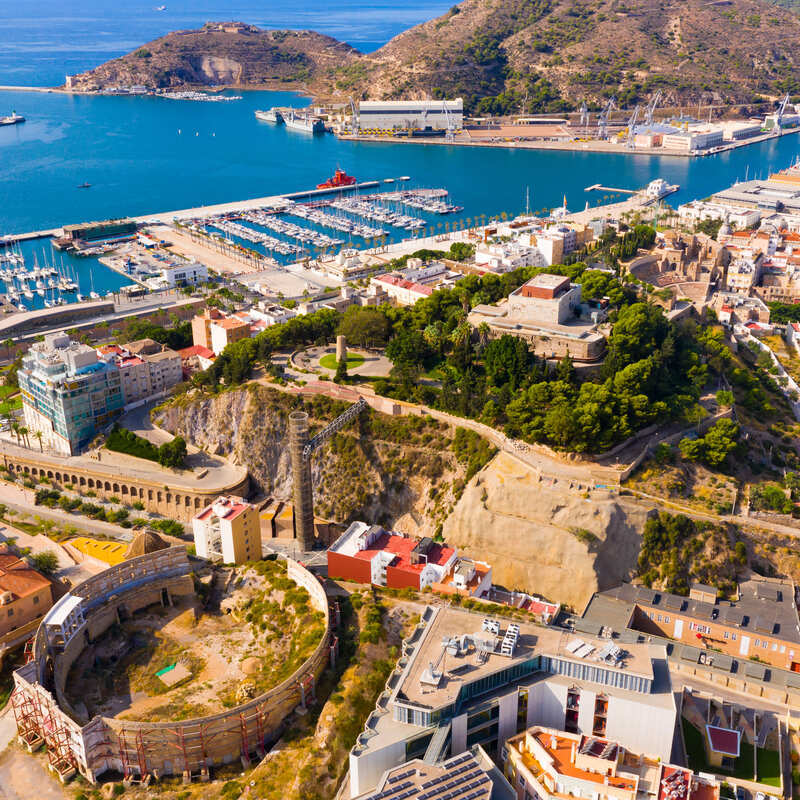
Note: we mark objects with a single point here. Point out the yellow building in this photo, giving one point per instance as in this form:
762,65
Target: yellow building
229,530
108,553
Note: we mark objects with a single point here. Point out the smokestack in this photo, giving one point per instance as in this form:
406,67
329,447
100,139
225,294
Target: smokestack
301,476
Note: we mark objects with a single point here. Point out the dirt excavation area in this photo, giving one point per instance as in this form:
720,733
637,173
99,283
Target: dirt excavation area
243,632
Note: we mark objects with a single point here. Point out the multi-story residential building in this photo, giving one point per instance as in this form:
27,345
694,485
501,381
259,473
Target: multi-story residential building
761,623
744,271
201,326
228,529
698,210
465,679
227,330
549,764
147,369
68,393
506,257
189,273
133,371
25,594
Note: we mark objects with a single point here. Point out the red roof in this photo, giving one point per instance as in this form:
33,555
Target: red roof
230,323
401,547
196,350
225,507
723,740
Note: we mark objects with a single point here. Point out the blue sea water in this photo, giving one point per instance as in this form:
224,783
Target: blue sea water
142,154
44,40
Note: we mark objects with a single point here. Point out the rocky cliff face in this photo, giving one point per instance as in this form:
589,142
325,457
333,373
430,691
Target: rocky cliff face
398,472
545,540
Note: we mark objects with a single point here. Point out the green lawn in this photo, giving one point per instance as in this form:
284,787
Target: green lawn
353,360
7,406
769,770
7,391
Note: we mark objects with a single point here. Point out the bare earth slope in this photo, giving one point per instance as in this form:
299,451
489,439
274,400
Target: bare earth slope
503,56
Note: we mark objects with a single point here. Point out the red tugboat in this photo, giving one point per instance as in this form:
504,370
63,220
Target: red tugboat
340,178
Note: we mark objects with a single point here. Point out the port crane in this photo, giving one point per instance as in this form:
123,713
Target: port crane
632,125
779,115
356,122
602,120
451,128
651,107
584,117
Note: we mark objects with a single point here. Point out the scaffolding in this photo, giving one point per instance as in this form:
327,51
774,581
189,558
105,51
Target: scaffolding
58,739
28,718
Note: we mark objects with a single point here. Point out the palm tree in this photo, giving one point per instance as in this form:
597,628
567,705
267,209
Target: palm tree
38,435
15,430
23,432
8,343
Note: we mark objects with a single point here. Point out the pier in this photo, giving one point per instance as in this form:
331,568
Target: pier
219,208
598,188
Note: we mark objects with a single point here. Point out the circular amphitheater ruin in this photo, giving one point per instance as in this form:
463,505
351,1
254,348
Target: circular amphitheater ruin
197,717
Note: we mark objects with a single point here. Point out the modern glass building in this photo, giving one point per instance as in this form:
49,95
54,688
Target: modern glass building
68,393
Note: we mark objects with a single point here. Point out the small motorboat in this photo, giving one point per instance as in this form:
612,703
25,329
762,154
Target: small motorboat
84,185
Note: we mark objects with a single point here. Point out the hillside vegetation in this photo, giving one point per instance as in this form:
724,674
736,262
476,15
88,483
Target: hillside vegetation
505,56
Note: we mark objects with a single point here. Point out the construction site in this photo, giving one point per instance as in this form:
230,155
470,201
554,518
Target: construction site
146,670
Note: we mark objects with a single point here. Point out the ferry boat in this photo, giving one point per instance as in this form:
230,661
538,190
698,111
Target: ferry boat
340,178
14,119
304,122
272,115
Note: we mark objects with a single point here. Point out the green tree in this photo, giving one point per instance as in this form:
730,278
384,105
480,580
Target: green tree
172,454
364,327
46,562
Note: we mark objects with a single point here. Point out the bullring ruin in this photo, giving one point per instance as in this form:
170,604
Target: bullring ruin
144,670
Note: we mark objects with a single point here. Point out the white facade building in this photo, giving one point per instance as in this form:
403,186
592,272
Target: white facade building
411,114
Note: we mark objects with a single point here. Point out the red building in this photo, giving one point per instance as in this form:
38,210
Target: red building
369,554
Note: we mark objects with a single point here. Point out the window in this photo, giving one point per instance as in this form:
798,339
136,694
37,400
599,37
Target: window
659,617
666,618
758,642
36,600
10,612
726,635
774,647
783,648
765,645
733,637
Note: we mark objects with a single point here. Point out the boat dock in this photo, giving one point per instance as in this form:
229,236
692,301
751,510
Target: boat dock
596,187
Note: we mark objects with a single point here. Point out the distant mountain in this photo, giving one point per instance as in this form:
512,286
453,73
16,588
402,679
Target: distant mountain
505,56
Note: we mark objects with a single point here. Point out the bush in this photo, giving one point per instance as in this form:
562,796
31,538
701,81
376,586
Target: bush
170,454
46,562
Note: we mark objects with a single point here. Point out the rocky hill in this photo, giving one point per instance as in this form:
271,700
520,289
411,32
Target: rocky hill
223,55
503,56
404,472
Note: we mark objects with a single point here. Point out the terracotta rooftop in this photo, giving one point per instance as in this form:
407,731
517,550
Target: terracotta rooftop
231,323
196,350
18,577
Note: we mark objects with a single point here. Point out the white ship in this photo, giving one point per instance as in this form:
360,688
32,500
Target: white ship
304,122
273,115
14,119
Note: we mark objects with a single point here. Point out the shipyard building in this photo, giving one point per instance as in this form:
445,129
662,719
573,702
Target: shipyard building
419,115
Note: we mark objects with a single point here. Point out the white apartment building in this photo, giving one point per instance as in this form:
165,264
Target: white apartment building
188,274
506,257
743,273
740,218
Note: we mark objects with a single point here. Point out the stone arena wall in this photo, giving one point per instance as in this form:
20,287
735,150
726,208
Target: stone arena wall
138,749
173,501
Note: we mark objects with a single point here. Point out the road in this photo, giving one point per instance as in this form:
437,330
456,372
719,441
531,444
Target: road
23,777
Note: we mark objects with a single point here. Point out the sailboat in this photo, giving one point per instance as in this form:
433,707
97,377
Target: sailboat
93,294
